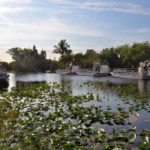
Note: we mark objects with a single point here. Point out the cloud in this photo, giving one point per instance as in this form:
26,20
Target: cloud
43,30
3,2
4,20
44,33
4,10
143,30
106,6
139,30
45,25
14,6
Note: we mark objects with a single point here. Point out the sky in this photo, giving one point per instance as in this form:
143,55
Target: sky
85,24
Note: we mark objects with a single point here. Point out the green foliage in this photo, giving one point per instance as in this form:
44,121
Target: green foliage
48,116
65,60
53,65
126,56
109,56
62,48
78,58
5,65
86,60
28,60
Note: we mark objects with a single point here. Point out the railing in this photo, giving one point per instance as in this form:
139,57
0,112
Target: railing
125,70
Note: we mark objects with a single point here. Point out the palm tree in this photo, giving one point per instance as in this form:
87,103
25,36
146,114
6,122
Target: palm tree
63,48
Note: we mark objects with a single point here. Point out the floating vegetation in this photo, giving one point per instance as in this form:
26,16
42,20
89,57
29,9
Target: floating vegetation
49,116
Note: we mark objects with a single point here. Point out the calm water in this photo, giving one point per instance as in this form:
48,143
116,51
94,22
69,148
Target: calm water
23,80
109,97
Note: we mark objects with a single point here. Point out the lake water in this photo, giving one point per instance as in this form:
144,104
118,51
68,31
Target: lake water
23,80
109,97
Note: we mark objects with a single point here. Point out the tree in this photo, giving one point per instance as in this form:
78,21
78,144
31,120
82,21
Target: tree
126,56
29,60
62,48
90,53
86,60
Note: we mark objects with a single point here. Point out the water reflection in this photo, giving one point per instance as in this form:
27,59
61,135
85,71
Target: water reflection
20,84
12,81
143,87
3,85
63,81
106,97
26,79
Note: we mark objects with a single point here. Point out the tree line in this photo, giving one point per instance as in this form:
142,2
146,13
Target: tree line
124,56
28,60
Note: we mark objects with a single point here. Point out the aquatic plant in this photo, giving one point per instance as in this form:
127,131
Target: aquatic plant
49,116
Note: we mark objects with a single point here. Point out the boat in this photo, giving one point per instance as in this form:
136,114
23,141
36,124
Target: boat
142,72
99,74
129,74
100,70
71,70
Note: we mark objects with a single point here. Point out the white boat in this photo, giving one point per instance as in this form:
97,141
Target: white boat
131,73
128,75
100,70
143,72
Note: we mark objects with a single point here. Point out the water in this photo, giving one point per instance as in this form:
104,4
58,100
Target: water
23,80
110,94
109,97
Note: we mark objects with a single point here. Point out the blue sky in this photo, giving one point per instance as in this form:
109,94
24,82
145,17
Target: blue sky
85,24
